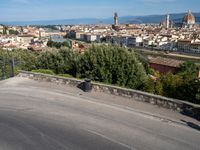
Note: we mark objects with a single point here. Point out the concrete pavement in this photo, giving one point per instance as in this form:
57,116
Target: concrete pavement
40,116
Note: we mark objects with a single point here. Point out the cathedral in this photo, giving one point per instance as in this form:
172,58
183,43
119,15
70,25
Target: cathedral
188,20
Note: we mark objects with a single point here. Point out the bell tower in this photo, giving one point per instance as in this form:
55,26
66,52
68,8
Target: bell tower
116,19
168,21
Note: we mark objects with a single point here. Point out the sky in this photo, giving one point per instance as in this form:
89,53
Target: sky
30,10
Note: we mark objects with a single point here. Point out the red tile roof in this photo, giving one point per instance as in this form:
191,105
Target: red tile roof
166,62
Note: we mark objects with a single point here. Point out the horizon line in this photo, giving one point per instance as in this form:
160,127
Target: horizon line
38,20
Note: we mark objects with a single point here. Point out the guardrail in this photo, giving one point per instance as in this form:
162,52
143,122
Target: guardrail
183,107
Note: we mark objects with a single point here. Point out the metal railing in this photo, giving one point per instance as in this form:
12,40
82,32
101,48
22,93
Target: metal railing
7,65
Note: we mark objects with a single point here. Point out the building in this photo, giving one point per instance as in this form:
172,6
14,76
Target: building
116,19
188,20
184,44
25,39
1,29
149,42
116,22
165,65
195,47
166,23
134,41
78,35
91,37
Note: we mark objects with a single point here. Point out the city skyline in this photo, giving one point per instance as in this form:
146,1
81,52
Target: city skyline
30,10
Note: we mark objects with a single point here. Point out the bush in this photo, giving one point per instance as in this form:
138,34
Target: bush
66,75
61,61
58,45
45,71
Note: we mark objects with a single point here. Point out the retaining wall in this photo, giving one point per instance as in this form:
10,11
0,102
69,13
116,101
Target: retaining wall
186,108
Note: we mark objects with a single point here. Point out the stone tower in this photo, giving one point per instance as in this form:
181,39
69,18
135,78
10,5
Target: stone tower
168,21
116,19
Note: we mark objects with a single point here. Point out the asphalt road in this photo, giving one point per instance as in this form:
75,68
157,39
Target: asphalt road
39,116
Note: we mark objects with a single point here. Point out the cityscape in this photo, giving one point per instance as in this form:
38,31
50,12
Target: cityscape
167,35
111,76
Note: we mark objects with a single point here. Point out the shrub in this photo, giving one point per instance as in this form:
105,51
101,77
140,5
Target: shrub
45,71
66,75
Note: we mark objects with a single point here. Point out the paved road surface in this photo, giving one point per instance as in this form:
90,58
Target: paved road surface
38,116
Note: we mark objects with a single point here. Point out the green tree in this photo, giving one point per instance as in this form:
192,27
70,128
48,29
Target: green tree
113,65
61,61
171,83
13,32
58,45
25,59
188,69
154,86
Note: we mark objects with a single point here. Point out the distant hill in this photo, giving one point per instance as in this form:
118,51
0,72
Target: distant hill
124,19
177,18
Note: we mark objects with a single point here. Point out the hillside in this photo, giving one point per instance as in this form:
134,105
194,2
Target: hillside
124,19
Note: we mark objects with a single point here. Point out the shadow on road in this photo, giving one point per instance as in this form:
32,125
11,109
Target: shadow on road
80,86
191,111
192,125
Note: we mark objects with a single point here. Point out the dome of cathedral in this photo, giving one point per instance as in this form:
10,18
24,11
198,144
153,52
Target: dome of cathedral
189,18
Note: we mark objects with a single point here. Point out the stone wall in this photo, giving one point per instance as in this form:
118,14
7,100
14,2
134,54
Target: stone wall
186,108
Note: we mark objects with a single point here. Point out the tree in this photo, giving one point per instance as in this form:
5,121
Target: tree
14,32
58,45
171,83
5,28
25,59
154,86
60,61
188,69
113,65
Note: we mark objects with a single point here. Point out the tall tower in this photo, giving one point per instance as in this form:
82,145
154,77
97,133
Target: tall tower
168,21
116,19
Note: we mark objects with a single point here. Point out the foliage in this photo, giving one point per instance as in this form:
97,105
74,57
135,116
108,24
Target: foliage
66,75
5,28
6,65
114,65
184,85
108,64
144,60
188,69
171,84
154,73
58,45
13,32
153,86
60,61
25,59
45,71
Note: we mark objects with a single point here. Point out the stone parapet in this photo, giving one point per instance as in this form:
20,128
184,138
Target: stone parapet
186,108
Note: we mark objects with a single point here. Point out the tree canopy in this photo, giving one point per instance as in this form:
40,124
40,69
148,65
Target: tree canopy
113,65
108,64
